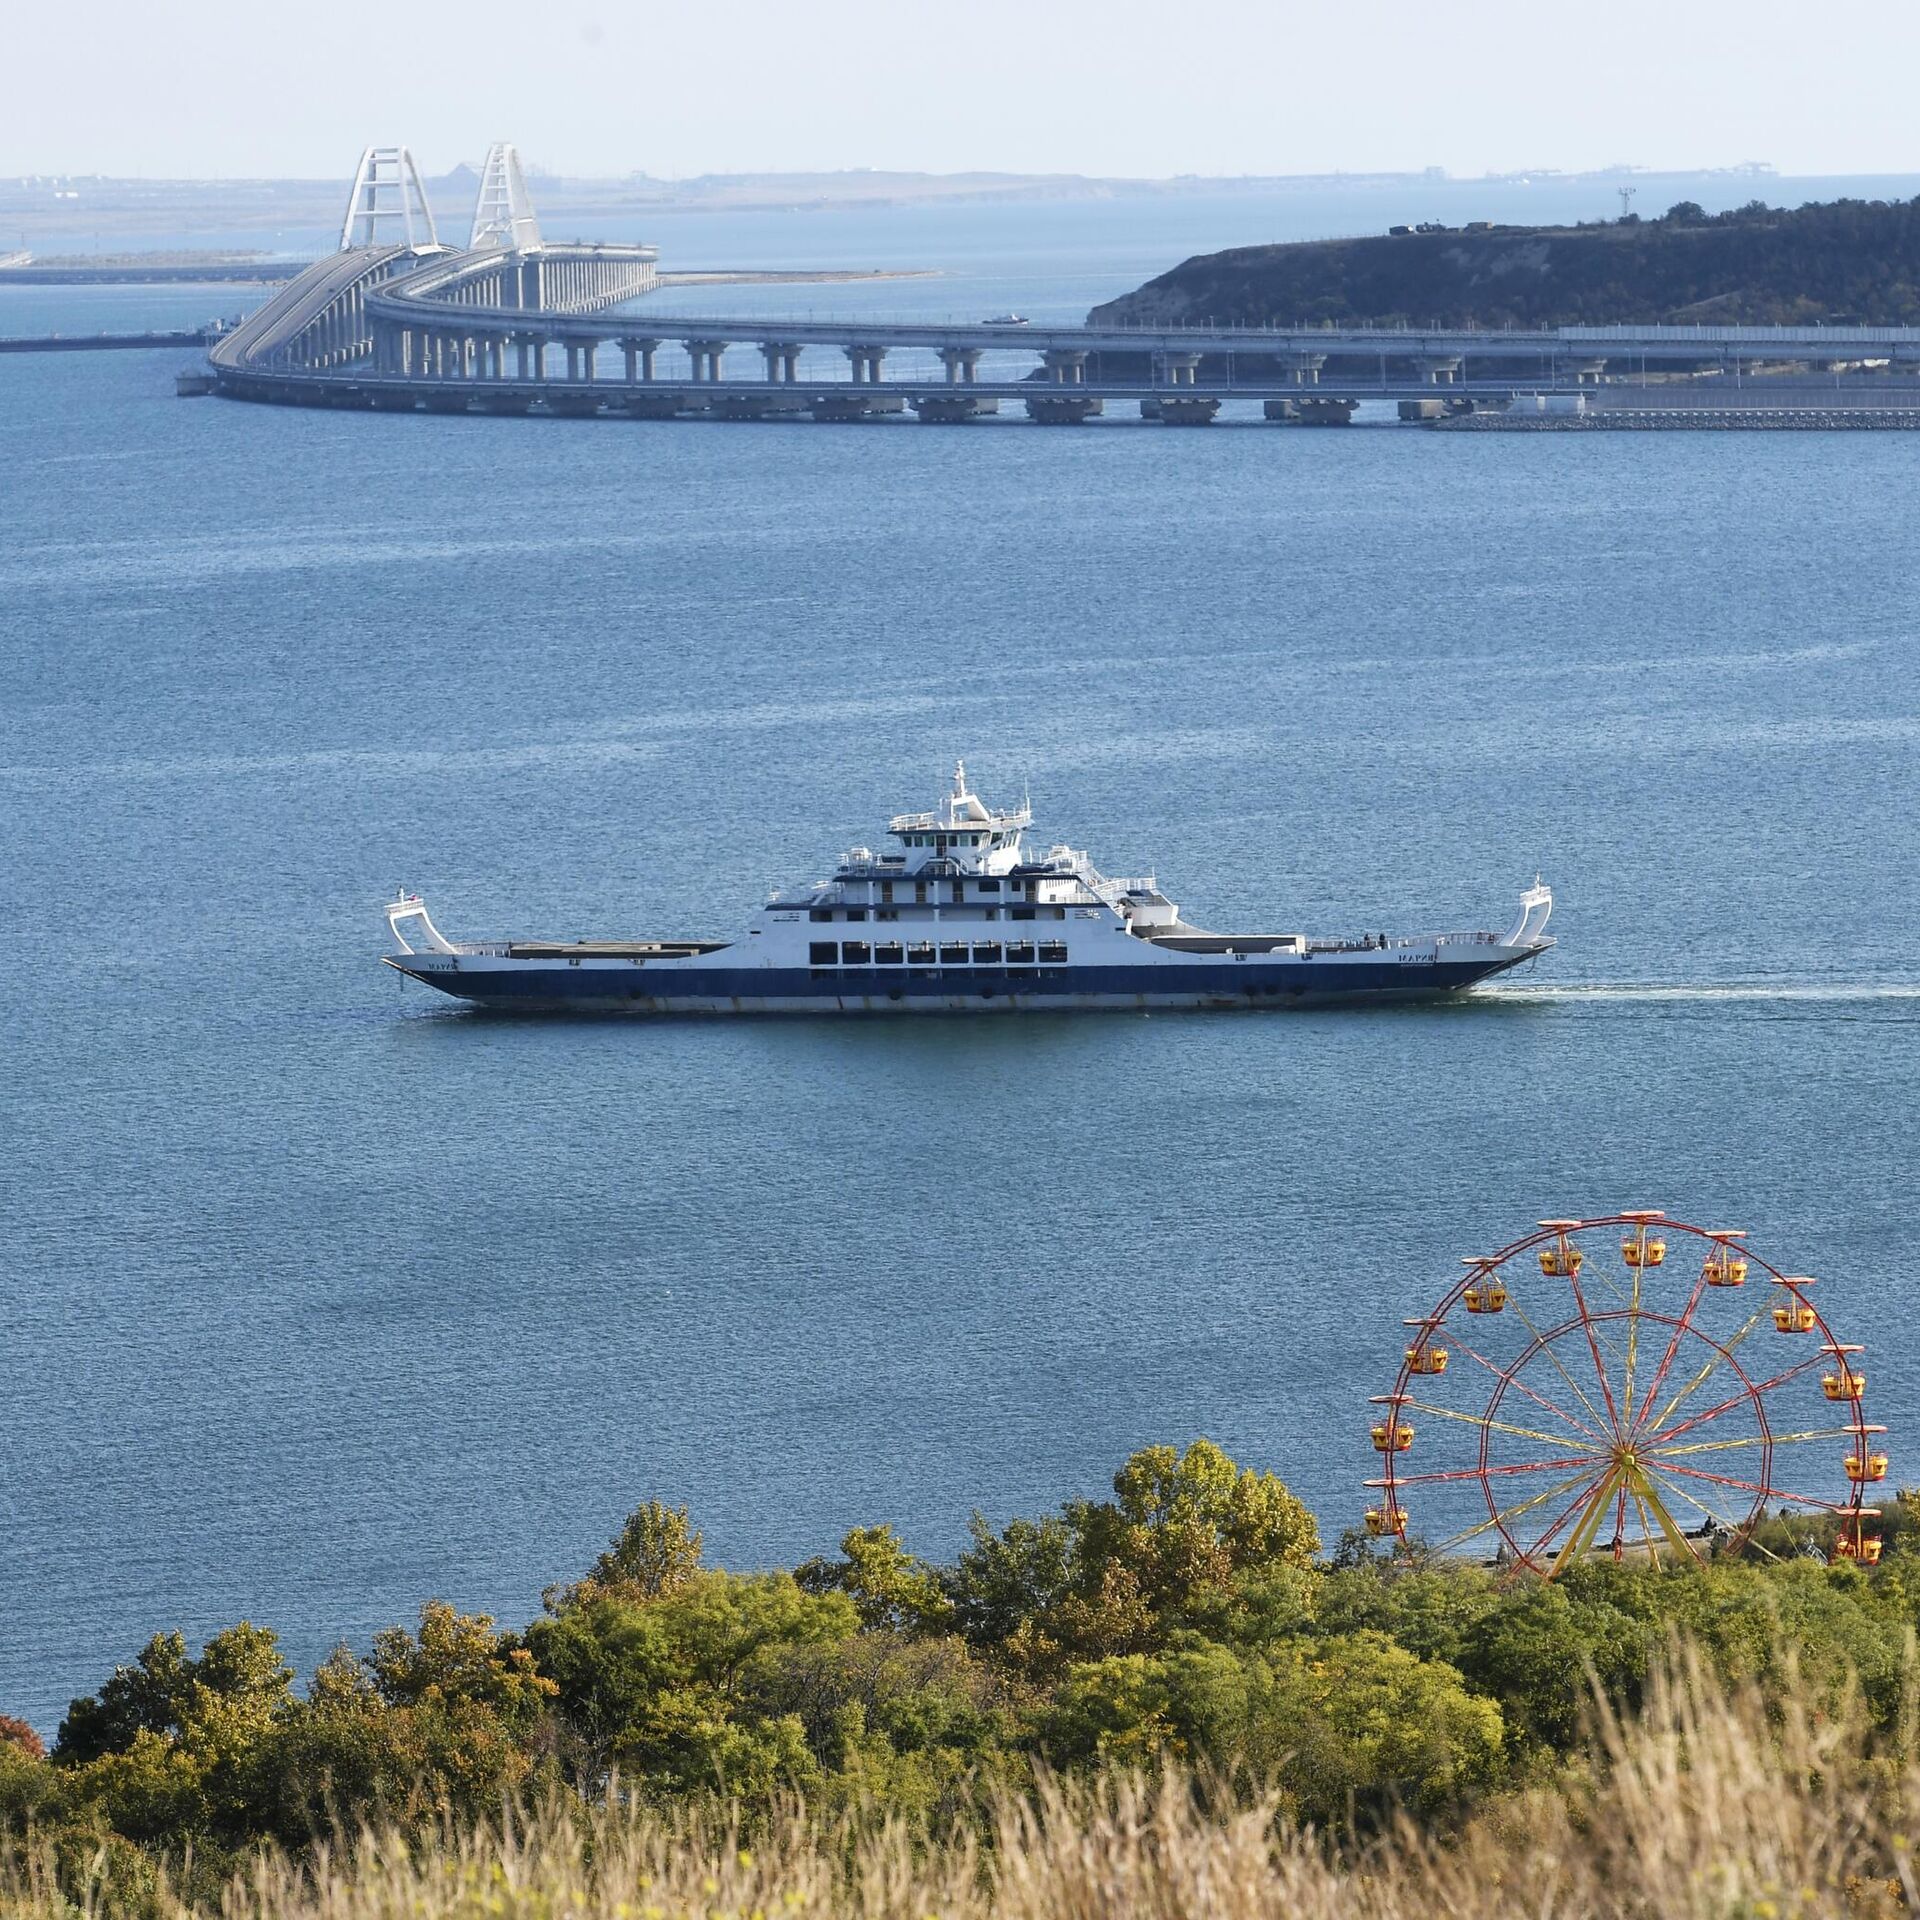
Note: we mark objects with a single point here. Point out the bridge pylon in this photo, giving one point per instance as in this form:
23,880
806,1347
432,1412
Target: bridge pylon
388,200
503,216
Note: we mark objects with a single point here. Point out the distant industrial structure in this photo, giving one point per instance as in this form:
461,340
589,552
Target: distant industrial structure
512,323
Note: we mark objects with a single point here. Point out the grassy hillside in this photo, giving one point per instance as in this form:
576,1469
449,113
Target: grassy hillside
1855,261
662,1718
1702,1807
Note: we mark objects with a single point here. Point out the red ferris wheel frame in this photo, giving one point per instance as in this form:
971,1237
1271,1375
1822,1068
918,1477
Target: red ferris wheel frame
1630,1460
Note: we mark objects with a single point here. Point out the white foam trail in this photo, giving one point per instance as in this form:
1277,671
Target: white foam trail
1836,992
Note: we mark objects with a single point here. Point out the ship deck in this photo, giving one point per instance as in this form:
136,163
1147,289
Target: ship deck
611,949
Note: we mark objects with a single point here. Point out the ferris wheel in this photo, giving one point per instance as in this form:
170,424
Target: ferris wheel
1626,1385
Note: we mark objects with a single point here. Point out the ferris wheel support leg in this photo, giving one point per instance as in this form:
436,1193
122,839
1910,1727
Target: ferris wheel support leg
1643,1490
1581,1538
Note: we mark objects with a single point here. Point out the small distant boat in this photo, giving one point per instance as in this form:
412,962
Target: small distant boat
961,918
1006,320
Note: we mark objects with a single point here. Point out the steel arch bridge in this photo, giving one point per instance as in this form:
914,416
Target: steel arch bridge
512,322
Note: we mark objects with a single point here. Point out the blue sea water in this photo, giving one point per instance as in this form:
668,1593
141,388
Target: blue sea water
323,1297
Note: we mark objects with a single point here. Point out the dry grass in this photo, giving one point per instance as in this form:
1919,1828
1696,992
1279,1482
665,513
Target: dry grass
1704,1806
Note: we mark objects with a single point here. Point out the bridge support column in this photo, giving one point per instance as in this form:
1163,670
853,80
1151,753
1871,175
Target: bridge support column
589,359
962,364
869,364
706,357
1066,366
1437,369
1304,367
639,354
940,409
1196,410
1180,369
782,358
1587,373
1061,410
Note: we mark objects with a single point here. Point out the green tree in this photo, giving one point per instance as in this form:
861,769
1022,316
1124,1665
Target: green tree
456,1656
1183,1522
674,1692
1354,1721
1541,1647
656,1551
235,1686
1008,1585
895,1591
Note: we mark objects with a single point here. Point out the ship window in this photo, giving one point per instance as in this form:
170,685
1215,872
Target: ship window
886,913
991,913
1053,953
856,913
822,953
1021,956
989,886
820,913
893,954
886,889
920,893
987,953
920,954
855,953
1020,913
953,956
940,843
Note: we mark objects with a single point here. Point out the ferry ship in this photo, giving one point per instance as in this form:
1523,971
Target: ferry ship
960,917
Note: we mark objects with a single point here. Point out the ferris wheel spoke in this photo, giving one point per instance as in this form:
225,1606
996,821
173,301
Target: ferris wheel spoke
1593,1345
1540,1399
1745,1394
1514,1512
1598,1272
1661,1451
1706,1371
1488,1473
1633,1352
1692,1499
1544,1345
1484,1421
1574,1507
1667,1359
1754,1486
1738,1528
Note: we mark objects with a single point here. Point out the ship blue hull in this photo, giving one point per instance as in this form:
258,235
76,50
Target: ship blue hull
561,987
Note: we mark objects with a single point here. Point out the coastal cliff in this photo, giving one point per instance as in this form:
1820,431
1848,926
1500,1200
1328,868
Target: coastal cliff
1845,261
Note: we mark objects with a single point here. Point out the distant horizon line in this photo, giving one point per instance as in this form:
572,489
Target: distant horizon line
1430,176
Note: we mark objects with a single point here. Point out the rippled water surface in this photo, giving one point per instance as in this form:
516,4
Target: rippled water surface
323,1297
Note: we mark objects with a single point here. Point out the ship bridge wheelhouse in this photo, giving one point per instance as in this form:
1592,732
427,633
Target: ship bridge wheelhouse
962,835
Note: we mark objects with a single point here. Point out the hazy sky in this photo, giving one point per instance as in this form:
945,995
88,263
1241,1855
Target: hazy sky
1234,86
